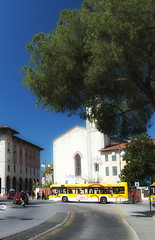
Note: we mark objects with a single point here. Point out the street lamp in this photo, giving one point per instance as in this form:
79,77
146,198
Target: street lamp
121,154
97,162
44,166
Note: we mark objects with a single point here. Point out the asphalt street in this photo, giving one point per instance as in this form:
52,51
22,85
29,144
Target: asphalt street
137,216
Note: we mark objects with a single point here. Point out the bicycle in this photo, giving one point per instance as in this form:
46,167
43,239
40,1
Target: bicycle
2,207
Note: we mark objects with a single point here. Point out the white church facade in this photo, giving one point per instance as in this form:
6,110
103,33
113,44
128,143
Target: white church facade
85,155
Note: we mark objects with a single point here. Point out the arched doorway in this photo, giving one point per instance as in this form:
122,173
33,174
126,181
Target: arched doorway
14,183
20,184
8,183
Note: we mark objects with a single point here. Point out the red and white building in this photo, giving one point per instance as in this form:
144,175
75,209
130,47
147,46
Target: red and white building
19,162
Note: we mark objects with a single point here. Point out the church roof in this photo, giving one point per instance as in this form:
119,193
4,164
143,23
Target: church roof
72,129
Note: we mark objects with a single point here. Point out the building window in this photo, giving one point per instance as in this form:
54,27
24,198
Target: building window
96,167
20,169
77,165
20,152
8,146
26,170
114,157
9,167
14,168
114,171
107,171
106,157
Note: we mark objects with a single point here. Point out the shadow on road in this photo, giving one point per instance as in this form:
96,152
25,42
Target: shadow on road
143,214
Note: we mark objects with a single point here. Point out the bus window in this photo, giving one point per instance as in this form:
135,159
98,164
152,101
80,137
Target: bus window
64,190
96,191
121,190
55,191
90,190
70,190
102,190
116,190
80,190
86,190
110,190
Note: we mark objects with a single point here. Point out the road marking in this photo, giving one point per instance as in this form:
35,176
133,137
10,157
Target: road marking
59,229
87,214
120,213
2,207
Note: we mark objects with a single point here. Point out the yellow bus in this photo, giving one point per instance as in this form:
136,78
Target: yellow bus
95,192
152,193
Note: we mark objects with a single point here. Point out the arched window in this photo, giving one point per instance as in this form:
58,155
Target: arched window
77,165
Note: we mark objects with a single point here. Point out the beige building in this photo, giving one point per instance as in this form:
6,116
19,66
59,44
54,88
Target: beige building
19,162
84,155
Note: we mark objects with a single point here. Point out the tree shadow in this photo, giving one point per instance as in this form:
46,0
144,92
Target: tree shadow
143,214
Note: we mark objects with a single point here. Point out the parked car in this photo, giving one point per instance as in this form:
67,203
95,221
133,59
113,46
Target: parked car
11,194
18,200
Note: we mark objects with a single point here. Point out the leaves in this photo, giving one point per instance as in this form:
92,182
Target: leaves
140,159
102,58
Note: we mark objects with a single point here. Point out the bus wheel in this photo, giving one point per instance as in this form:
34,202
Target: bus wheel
103,200
65,199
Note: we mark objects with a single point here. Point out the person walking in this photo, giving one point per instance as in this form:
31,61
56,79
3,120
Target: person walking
43,195
133,198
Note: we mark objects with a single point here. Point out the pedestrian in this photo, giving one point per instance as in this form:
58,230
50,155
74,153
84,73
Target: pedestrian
133,197
38,195
43,195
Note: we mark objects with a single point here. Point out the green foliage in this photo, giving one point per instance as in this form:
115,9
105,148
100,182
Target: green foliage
47,170
102,58
48,184
39,185
140,159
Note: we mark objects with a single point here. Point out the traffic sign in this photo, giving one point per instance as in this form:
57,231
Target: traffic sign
136,184
149,180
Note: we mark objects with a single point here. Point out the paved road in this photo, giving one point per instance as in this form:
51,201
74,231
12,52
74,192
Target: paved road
91,225
136,215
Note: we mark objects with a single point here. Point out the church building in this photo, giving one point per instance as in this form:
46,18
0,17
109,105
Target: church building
85,155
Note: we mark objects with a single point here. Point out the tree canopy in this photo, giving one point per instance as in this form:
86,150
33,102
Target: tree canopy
99,63
140,159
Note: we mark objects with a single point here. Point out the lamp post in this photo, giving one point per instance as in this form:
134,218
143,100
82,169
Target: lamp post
121,154
44,166
97,162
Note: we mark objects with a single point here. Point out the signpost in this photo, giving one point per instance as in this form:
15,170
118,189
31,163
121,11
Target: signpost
149,181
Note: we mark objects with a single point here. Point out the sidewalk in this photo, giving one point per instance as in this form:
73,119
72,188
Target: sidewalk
139,218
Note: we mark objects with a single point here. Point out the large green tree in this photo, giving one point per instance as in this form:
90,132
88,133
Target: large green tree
101,58
140,159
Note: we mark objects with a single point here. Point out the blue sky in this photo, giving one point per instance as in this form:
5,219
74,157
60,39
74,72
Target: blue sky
19,21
